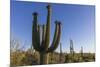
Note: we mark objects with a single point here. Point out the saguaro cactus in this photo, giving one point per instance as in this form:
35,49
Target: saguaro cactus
71,50
81,52
41,42
60,58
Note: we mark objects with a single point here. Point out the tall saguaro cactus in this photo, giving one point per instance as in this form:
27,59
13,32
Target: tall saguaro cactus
42,44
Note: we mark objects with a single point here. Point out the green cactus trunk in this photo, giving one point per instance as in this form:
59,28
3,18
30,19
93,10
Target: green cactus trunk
43,58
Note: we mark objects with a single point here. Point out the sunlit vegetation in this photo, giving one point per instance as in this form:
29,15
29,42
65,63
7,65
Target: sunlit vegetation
41,52
30,56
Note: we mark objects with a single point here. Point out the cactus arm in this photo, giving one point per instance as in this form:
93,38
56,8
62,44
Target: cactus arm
43,36
57,40
55,36
58,37
43,33
38,35
47,35
35,33
34,43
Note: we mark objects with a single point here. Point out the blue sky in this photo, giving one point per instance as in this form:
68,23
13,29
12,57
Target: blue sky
78,23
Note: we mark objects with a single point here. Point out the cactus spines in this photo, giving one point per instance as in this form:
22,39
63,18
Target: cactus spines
42,46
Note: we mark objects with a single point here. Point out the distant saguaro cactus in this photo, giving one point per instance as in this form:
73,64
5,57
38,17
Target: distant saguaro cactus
60,58
82,52
71,50
41,42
